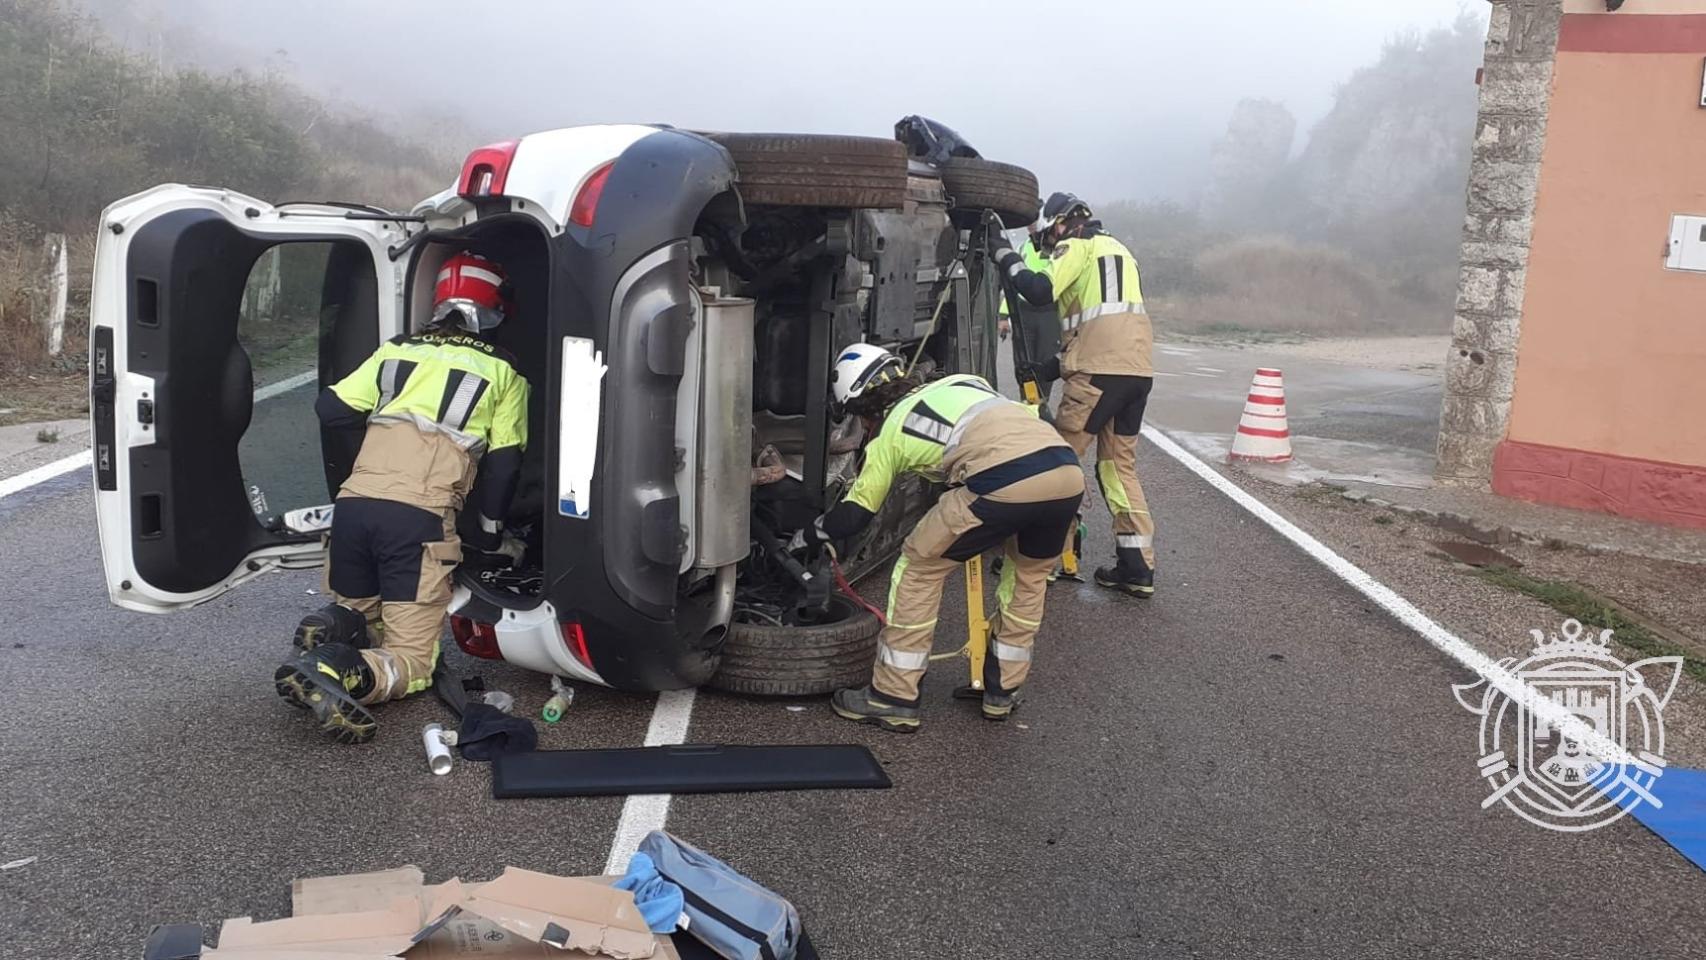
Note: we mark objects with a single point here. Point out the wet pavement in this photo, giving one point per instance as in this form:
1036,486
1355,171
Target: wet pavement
1258,762
1366,422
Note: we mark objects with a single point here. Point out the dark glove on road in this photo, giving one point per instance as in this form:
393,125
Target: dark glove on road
487,731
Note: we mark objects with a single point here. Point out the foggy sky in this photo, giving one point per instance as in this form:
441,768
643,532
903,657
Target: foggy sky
1112,99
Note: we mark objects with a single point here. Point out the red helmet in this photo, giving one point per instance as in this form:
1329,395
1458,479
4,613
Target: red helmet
473,287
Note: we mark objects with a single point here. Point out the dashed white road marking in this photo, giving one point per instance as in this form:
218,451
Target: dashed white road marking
1406,612
1211,370
641,814
64,465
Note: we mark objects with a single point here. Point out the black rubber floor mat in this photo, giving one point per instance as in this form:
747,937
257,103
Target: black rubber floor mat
685,769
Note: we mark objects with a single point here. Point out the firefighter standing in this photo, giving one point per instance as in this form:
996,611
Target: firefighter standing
441,407
1106,364
1012,481
1039,326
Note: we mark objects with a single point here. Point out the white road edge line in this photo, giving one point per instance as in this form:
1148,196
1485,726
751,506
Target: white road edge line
44,473
643,813
1444,640
64,465
286,385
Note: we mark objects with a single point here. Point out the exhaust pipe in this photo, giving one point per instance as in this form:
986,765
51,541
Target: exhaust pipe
722,607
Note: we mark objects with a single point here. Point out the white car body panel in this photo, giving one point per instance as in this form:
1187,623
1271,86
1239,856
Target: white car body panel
109,303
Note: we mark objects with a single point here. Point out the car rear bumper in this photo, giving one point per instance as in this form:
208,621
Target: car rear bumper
624,283
532,639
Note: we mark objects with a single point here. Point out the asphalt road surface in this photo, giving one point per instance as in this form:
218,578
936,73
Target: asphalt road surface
1256,763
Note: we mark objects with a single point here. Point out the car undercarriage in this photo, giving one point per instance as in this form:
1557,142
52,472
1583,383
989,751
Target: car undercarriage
833,240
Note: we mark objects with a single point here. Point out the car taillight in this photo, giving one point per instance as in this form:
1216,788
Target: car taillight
585,206
486,170
475,638
574,637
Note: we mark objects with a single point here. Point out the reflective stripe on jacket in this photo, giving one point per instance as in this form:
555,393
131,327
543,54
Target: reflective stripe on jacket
931,432
1104,327
435,403
1033,261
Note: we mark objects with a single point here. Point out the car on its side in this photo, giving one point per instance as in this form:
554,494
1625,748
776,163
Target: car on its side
714,277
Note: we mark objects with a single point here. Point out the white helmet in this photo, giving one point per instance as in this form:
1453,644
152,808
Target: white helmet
859,368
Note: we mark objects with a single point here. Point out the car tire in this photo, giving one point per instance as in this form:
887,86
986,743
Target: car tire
816,170
976,185
761,659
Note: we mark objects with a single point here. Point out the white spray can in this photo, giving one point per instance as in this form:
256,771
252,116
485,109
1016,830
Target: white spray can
438,755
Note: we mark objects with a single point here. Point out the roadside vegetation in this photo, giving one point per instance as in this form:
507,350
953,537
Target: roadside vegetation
1579,603
88,122
1355,233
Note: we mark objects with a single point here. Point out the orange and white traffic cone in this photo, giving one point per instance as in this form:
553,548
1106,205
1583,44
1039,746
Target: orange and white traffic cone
1262,432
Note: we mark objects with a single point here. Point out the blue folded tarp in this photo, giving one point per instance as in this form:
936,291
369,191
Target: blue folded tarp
1681,822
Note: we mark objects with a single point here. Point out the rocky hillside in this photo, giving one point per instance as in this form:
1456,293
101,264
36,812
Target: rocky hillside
1371,207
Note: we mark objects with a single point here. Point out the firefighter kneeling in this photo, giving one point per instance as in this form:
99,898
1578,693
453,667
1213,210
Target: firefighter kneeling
1012,481
441,411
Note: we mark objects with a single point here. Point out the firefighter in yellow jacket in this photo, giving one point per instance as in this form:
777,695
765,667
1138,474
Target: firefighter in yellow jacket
1039,326
1105,362
442,409
1012,482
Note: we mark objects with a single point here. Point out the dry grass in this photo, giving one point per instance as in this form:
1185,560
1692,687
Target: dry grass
1276,284
52,395
21,293
33,385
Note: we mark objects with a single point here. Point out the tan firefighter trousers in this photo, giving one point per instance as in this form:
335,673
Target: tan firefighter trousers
1028,517
1109,410
392,562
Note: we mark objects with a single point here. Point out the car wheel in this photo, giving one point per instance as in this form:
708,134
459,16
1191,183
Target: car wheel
976,185
770,661
815,170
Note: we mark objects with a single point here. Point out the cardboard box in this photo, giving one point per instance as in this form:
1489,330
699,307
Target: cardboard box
396,913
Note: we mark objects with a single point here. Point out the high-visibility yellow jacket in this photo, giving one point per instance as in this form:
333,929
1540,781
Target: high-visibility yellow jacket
1093,280
1104,327
1033,261
434,404
957,430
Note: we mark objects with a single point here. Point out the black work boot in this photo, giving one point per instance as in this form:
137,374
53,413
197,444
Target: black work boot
1131,574
329,680
996,704
865,705
332,623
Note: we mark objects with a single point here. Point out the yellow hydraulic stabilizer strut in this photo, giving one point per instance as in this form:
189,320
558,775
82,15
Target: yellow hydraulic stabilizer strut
1074,551
977,632
977,621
